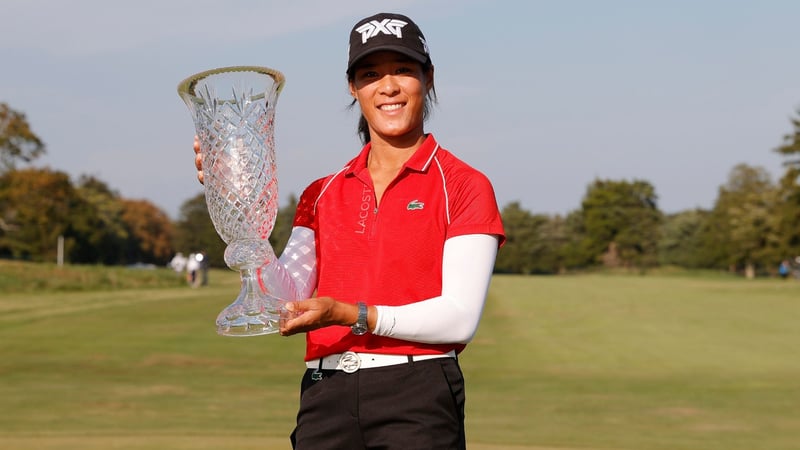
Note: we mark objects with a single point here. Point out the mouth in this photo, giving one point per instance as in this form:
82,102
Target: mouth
391,106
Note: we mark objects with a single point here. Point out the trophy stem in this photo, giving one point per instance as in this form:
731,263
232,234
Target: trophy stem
253,313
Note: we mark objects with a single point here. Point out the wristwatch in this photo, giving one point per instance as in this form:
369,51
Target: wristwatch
360,327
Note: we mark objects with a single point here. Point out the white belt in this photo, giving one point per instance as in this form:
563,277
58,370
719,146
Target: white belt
351,361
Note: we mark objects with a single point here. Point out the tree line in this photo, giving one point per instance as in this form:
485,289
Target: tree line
753,225
752,228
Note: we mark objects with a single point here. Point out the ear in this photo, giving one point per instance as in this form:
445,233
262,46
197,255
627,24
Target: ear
351,88
429,79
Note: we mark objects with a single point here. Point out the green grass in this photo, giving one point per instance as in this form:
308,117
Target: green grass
573,362
635,362
18,276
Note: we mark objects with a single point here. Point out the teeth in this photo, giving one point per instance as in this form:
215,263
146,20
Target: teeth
391,107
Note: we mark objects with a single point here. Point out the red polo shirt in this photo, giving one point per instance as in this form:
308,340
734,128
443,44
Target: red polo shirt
391,254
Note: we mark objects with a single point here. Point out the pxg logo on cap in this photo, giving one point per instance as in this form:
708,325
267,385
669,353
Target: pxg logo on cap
390,32
387,26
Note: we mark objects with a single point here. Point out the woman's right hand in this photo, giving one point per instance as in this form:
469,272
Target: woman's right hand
198,159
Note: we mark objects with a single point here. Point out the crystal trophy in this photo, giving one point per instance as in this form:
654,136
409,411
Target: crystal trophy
233,109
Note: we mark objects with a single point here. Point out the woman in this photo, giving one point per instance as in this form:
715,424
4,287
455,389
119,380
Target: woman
399,246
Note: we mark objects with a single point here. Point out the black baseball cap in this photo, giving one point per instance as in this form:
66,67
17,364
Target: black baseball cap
387,31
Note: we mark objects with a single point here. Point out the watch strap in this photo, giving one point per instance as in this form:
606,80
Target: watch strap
360,327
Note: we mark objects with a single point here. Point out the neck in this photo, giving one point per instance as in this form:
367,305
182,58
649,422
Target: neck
392,154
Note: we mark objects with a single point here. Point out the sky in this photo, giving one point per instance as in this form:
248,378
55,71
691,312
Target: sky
544,97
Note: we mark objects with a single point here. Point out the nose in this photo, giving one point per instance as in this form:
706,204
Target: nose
388,85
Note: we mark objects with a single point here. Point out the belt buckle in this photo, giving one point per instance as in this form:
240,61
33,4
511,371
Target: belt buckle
350,362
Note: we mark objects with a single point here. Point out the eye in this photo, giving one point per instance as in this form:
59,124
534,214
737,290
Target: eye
405,70
366,75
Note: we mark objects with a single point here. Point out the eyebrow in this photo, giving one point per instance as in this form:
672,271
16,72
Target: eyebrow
400,58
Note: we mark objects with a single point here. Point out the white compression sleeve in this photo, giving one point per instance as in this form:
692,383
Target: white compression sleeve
453,317
295,277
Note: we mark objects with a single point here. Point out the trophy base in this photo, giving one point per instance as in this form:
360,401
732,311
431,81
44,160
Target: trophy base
243,326
253,313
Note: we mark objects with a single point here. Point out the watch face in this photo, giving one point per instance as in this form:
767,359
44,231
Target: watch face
359,329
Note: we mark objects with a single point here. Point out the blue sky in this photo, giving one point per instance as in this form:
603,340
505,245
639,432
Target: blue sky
542,96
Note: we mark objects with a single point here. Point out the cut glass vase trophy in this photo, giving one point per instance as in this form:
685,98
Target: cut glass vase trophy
233,109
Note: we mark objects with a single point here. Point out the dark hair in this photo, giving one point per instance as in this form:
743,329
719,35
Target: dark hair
430,100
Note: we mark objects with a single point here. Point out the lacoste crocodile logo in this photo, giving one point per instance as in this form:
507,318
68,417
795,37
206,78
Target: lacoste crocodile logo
415,204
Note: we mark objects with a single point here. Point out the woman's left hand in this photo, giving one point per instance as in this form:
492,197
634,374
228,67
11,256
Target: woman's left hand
306,315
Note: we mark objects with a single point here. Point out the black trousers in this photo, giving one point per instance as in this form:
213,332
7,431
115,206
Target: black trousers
418,405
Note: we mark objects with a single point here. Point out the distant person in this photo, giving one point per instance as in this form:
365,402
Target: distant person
784,269
192,268
398,246
203,259
178,263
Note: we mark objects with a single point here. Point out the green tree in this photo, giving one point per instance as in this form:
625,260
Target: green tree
680,241
195,232
788,206
576,251
35,208
554,235
791,144
713,242
534,242
96,226
518,253
787,211
17,141
744,214
621,222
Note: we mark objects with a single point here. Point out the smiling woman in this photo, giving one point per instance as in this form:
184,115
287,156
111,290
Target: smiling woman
390,314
